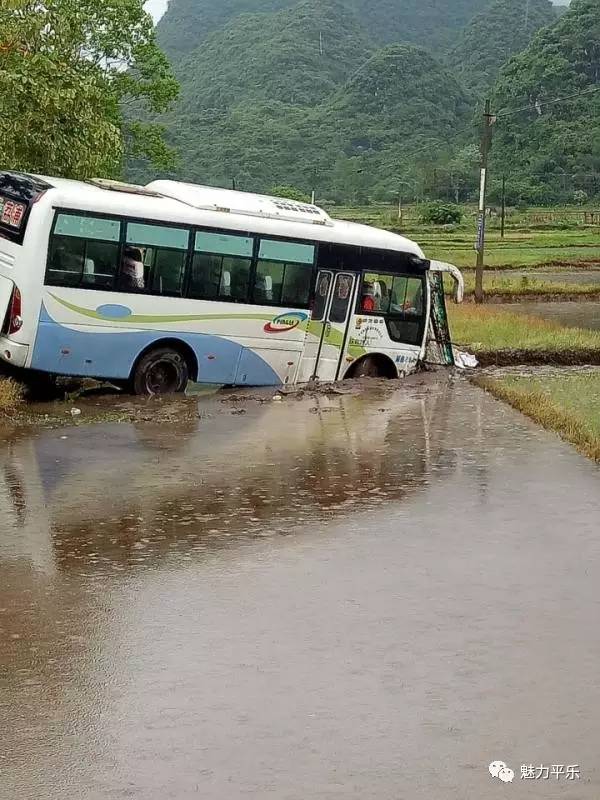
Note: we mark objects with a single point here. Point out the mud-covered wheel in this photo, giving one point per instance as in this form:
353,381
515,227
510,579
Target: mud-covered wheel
367,368
160,371
39,386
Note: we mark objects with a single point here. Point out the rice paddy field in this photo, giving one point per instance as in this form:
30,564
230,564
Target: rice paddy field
567,403
489,328
560,240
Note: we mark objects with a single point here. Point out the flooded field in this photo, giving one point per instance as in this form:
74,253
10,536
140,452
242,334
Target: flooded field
357,597
572,315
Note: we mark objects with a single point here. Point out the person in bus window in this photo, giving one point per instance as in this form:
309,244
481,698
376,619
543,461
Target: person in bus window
368,303
132,269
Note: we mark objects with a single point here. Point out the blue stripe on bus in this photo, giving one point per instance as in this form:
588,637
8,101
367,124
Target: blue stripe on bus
68,351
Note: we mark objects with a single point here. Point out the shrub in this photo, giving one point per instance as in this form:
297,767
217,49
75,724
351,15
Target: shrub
11,395
441,214
289,193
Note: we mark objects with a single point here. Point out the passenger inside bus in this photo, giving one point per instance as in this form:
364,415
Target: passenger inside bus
132,269
368,303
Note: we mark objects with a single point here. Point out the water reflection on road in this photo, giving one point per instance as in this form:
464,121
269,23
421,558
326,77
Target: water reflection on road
344,597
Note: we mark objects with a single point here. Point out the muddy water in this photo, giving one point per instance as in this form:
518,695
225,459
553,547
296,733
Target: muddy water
364,598
572,315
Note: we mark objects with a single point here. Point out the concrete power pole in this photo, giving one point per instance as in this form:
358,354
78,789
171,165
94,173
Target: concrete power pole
486,140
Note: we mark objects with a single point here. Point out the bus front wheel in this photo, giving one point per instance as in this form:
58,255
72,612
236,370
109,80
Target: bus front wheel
160,371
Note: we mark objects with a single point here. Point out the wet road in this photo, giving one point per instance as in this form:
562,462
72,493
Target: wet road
340,597
572,315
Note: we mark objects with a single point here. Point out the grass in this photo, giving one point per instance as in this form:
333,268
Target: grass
11,395
499,256
497,336
525,286
567,404
525,244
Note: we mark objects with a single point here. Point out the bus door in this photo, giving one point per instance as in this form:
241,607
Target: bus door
327,336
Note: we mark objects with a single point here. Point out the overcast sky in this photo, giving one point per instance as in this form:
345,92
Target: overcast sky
156,8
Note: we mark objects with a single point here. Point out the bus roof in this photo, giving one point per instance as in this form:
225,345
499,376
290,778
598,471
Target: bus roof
174,202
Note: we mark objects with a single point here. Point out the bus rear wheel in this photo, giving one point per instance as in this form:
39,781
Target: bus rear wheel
373,367
160,371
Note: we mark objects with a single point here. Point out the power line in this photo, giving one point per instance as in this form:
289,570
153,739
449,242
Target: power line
541,104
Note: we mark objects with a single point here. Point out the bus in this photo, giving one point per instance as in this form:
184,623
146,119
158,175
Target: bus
150,287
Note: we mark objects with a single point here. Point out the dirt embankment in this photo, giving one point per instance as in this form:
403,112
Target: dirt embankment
512,358
499,298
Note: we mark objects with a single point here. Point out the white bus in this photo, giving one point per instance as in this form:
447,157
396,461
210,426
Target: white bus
151,287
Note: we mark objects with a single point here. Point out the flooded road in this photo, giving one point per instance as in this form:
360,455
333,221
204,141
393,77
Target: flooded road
572,315
364,598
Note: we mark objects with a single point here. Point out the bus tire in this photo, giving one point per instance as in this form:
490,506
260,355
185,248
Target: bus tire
162,370
40,387
373,367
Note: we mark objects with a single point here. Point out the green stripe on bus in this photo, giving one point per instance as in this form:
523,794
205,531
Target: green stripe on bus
86,312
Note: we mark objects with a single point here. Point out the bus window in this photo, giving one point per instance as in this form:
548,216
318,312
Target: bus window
284,274
398,298
376,293
154,259
321,295
221,267
17,194
84,252
407,296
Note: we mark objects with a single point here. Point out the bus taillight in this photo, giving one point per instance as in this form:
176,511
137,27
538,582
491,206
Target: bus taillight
15,320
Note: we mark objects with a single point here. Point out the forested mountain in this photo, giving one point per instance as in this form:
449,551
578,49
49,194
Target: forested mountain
187,23
494,35
297,56
430,23
335,94
549,145
358,141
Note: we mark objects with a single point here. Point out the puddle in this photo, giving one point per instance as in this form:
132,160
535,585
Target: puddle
325,597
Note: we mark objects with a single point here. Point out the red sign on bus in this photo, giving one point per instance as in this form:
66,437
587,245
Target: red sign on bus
11,212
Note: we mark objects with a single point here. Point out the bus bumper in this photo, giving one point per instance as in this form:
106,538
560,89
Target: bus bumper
13,353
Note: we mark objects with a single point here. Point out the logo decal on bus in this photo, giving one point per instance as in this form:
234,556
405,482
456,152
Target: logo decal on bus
285,322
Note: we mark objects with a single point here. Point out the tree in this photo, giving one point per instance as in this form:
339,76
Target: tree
437,213
69,72
289,193
463,170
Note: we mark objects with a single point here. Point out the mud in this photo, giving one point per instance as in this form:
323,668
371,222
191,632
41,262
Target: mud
102,403
526,297
510,358
363,597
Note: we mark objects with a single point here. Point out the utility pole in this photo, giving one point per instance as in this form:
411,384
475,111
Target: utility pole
503,222
486,140
400,209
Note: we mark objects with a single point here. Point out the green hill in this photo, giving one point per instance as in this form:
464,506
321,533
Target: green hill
361,139
297,56
557,145
430,23
186,23
433,24
493,36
